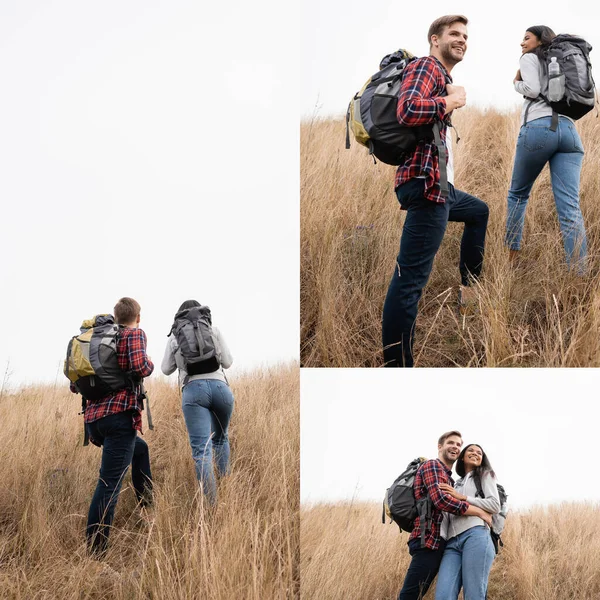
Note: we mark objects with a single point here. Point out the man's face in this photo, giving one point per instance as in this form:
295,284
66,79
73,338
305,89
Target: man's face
450,449
452,43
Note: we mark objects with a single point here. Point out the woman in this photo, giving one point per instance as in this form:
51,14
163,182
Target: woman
537,145
207,400
469,550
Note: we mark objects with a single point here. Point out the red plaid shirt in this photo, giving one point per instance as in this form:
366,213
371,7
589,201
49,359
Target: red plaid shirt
427,481
131,354
420,103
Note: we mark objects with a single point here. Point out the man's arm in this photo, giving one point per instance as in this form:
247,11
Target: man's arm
433,475
139,363
416,104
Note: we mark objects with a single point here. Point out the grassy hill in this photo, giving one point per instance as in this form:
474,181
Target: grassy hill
246,548
533,315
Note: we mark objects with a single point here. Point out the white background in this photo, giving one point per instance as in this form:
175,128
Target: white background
147,149
361,427
344,40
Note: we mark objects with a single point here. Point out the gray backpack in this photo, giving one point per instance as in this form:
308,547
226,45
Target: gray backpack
400,505
575,87
193,332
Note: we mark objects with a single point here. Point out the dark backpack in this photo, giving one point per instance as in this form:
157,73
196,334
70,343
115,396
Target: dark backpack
91,363
572,54
192,329
400,505
497,519
372,117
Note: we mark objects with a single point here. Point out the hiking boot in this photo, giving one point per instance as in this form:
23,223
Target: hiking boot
468,304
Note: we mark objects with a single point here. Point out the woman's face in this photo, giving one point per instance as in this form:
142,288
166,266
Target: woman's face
530,42
473,456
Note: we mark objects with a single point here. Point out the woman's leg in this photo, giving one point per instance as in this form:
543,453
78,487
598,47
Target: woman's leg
222,407
195,403
477,558
565,169
449,579
534,147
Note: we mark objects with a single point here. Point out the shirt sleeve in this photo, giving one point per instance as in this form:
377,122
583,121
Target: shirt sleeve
226,358
139,363
168,364
416,104
491,502
433,475
530,74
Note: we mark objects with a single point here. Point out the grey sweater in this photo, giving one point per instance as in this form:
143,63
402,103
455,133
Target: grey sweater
452,525
531,87
173,360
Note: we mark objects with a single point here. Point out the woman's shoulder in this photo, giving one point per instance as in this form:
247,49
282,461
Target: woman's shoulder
529,57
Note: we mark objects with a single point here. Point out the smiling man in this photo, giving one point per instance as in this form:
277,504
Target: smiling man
427,556
425,189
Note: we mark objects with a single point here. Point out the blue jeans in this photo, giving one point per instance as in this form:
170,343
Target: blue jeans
466,563
121,447
423,231
562,148
207,408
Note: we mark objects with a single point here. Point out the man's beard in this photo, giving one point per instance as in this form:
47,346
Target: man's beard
446,52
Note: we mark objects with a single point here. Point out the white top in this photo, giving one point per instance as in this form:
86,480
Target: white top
452,525
531,87
173,359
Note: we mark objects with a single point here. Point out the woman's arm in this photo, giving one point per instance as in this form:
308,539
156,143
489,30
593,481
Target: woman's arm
226,358
491,502
168,364
530,85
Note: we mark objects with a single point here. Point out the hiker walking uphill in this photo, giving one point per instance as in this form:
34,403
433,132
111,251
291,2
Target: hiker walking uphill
106,363
427,550
552,100
200,353
425,189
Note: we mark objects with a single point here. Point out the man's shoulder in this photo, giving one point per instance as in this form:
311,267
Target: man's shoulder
432,463
132,333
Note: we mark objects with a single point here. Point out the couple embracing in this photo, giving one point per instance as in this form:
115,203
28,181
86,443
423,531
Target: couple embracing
456,540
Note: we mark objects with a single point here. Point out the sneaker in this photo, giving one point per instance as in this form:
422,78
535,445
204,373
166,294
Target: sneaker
468,304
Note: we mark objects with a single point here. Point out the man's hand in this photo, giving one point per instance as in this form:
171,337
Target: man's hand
448,489
518,76
456,98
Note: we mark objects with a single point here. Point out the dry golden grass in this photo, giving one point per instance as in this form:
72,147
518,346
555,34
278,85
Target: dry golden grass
531,316
551,554
247,548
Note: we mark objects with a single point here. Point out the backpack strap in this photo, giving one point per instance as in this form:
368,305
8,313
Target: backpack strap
443,158
86,435
424,509
477,481
348,127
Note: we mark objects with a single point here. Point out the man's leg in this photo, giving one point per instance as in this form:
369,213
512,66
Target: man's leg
141,476
474,213
421,572
117,453
422,235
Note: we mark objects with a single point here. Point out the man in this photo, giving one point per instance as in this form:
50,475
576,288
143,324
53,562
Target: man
426,561
112,423
427,96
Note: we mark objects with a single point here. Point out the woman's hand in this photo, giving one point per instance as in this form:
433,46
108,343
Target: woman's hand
518,76
448,489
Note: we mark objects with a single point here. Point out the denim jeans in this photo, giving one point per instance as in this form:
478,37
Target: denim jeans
423,231
121,447
207,408
562,148
466,563
422,570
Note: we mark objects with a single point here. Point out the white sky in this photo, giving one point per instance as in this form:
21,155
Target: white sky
361,427
344,40
118,177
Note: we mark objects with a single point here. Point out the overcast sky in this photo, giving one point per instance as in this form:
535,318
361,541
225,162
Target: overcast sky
344,40
361,427
147,149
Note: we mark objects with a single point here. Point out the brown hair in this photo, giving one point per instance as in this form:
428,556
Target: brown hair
126,311
446,435
438,26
